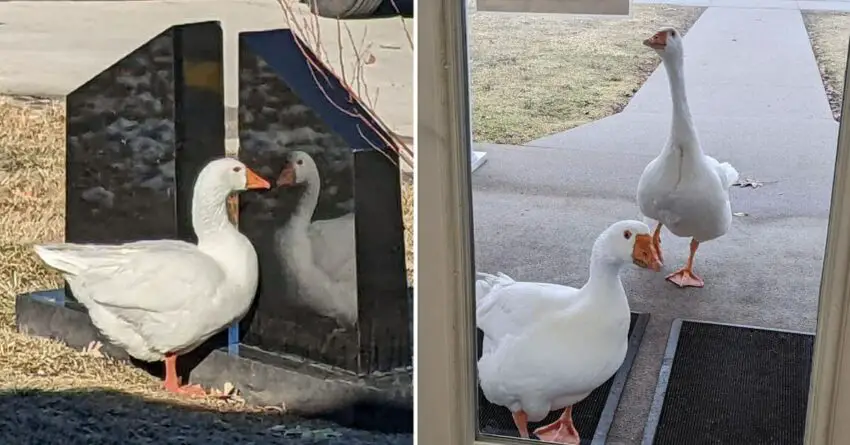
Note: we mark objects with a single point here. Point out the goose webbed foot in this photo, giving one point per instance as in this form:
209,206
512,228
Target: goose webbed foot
560,431
685,277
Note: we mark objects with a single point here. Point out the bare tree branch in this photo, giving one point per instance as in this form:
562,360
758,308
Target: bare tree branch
309,32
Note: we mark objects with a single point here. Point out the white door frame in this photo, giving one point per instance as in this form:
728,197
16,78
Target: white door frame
445,384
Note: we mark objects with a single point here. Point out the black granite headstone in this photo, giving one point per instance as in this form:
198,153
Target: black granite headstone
138,133
337,296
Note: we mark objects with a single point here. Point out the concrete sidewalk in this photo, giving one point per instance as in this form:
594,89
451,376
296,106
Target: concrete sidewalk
758,102
738,64
800,5
50,48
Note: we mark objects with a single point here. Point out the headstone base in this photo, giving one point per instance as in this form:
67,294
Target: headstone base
381,401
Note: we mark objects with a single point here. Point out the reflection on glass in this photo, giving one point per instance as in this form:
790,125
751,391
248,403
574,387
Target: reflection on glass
303,229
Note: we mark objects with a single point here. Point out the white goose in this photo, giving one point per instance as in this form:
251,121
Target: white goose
318,257
683,188
161,299
548,346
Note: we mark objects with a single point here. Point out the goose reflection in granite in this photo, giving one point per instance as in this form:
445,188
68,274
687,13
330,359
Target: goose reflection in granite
317,258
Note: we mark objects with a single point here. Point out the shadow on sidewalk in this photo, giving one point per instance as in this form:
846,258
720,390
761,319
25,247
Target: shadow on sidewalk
100,416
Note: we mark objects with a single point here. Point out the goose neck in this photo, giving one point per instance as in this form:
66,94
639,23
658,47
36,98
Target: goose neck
307,204
604,274
683,126
209,213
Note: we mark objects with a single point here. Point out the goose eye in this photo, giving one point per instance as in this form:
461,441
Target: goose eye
627,234
237,169
299,162
673,33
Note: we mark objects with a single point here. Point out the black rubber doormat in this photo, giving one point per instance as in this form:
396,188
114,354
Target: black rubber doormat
592,417
727,384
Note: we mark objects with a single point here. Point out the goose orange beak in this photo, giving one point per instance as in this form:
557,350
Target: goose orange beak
657,41
255,181
644,254
287,176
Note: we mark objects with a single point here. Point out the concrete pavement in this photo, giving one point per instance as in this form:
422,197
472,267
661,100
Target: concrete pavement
733,70
800,5
50,48
759,103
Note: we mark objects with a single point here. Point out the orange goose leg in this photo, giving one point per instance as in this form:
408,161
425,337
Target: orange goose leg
521,422
656,240
172,382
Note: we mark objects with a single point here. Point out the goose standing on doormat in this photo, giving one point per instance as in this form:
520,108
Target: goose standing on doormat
684,189
163,298
548,346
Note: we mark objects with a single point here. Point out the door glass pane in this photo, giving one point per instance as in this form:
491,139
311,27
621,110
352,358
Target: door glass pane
718,127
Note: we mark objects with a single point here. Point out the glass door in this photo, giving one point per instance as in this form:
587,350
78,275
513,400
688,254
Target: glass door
536,239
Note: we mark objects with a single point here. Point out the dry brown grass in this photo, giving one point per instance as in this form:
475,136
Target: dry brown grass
407,208
830,33
31,198
32,161
537,75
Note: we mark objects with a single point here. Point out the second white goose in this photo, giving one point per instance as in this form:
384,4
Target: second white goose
683,188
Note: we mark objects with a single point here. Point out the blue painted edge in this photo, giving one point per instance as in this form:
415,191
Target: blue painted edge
314,83
233,339
52,296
